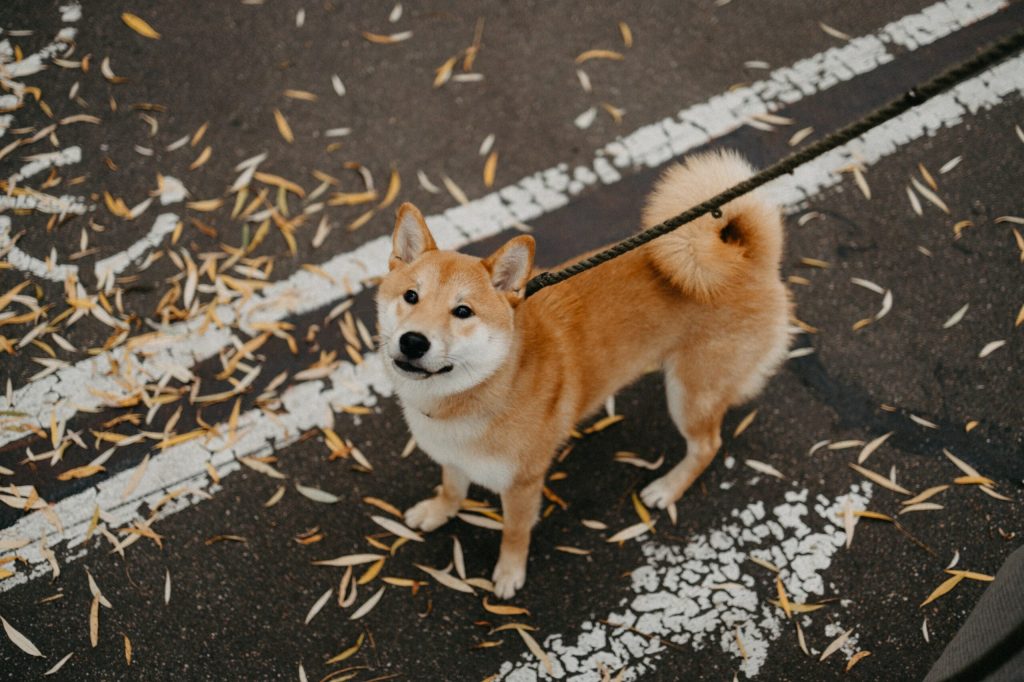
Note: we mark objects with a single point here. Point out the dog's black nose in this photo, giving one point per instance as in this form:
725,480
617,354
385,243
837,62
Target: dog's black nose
414,344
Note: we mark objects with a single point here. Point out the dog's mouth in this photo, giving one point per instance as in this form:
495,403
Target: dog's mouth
414,369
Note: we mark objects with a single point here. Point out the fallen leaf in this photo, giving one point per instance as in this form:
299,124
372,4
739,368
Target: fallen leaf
397,528
764,468
368,605
871,447
879,479
19,640
350,560
446,579
942,589
59,665
836,644
534,647
504,609
315,609
599,54
139,25
633,531
283,127
316,494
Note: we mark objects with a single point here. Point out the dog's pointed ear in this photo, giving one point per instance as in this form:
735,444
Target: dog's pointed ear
411,238
510,266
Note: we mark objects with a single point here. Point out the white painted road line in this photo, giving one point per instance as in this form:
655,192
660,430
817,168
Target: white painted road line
312,404
676,598
67,391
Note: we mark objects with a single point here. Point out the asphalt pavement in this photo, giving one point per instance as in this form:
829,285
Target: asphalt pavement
192,412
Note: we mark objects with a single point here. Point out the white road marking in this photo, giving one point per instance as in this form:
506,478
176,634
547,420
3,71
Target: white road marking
43,203
68,390
309,404
675,598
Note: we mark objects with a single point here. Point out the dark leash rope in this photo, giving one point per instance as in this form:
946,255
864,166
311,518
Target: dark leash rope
973,66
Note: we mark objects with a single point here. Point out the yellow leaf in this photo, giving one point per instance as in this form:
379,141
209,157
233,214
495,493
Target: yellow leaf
783,598
394,186
203,157
943,588
490,167
599,54
139,25
80,472
347,653
283,127
504,609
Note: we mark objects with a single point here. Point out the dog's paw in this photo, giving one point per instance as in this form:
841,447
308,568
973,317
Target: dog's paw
508,577
429,514
660,493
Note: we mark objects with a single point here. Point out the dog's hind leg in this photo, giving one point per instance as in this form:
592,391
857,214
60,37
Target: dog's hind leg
435,511
697,414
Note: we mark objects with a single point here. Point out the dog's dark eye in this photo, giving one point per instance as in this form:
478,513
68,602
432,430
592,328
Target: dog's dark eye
462,311
411,297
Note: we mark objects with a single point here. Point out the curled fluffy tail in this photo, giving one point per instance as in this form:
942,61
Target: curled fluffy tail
709,256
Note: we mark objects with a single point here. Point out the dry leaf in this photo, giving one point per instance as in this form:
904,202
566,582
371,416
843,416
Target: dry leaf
956,317
315,609
397,528
368,605
836,644
633,531
972,575
871,447
921,506
534,647
764,563
59,665
317,495
834,32
991,347
744,423
446,579
599,54
94,622
879,479
139,25
856,658
925,494
19,640
504,609
763,468
275,498
349,652
800,135
481,521
942,589
283,127
490,167
387,39
783,597
350,560
383,506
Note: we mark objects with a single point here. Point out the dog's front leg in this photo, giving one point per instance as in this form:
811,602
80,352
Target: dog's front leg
435,511
520,505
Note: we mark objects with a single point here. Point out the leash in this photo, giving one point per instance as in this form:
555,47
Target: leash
918,95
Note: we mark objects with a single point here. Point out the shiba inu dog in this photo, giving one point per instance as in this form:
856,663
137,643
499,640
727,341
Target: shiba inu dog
491,383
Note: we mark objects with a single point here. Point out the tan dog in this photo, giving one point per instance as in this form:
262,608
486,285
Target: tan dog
492,384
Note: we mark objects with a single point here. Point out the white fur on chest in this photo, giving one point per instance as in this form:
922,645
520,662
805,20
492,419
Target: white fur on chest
456,443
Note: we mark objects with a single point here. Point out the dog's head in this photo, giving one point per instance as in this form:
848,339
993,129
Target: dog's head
446,318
